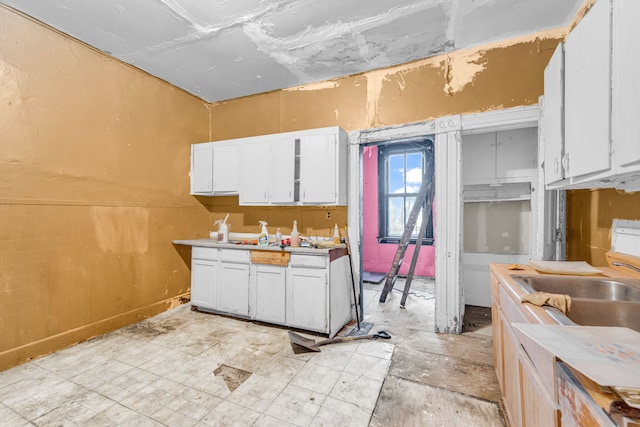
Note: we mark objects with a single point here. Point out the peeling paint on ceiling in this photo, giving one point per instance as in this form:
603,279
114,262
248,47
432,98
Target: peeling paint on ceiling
220,50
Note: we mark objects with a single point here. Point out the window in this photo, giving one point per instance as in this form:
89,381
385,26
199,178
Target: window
401,169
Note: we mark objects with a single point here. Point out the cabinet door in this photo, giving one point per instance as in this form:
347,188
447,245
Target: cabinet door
201,168
318,169
538,408
268,293
225,169
281,167
626,87
233,289
588,93
511,375
254,177
307,299
553,117
203,283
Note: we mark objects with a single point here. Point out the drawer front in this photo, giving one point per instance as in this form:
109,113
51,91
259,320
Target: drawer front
240,256
309,261
210,254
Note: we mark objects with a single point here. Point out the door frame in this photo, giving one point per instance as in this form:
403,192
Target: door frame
447,133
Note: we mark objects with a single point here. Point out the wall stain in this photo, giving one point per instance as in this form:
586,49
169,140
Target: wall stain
123,230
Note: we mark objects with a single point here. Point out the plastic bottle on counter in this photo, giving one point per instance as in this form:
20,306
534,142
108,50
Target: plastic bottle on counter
336,235
223,233
278,237
295,236
263,238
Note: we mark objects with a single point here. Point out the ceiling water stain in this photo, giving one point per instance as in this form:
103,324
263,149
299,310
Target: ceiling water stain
233,377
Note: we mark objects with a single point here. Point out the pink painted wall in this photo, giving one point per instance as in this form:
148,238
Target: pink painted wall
377,257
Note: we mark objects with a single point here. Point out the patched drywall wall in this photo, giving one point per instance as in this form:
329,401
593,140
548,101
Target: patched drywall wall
590,214
94,186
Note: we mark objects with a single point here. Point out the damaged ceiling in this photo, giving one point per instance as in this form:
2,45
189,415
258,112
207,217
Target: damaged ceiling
224,49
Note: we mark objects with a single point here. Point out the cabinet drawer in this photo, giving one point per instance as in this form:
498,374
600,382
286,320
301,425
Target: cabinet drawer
210,254
309,261
233,255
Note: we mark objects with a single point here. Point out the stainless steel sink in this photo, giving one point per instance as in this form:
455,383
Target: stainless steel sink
596,301
600,288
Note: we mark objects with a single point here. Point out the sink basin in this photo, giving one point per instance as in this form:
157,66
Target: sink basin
600,288
596,301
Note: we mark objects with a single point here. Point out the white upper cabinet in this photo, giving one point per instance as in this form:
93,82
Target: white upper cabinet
553,117
214,168
588,94
507,156
295,168
254,174
600,146
626,87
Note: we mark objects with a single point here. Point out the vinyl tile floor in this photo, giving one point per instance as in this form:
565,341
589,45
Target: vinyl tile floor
187,368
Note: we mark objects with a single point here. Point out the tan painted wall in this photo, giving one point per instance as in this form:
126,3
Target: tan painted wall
489,78
91,194
590,214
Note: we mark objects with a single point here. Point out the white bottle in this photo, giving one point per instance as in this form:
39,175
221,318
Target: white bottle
278,237
295,236
223,233
263,238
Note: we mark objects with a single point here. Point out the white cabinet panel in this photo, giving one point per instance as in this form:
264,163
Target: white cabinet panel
587,93
626,86
201,168
269,293
225,168
553,117
318,169
282,170
307,299
233,289
203,283
254,177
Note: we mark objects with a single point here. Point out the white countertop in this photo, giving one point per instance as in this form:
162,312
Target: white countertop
208,243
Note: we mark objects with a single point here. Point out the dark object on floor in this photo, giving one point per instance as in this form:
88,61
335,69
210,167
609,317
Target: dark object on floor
233,377
376,278
475,318
300,344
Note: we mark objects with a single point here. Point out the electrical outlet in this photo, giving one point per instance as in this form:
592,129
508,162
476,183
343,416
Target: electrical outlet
329,215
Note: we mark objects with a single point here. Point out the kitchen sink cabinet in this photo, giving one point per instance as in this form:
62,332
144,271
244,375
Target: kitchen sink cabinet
214,168
268,285
525,398
302,288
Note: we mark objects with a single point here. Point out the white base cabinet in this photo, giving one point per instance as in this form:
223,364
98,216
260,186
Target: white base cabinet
313,292
269,285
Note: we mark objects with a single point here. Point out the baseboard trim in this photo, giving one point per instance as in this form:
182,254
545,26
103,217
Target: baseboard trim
24,353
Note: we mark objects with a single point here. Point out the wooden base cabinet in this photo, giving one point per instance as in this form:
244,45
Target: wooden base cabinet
526,401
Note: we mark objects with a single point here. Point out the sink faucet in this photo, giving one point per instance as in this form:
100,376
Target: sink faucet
623,264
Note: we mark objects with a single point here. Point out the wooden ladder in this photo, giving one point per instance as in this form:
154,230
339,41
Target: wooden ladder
424,200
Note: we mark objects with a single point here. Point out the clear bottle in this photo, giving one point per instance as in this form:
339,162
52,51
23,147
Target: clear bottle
336,235
278,237
295,236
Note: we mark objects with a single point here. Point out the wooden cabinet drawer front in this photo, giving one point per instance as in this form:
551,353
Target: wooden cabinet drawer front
210,254
309,261
232,255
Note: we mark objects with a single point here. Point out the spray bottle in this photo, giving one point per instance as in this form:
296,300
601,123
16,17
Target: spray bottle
263,238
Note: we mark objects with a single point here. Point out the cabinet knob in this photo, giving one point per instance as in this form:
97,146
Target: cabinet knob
565,162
